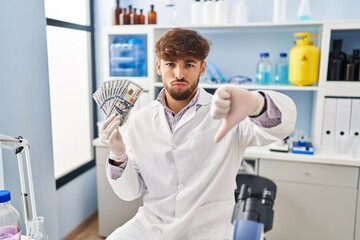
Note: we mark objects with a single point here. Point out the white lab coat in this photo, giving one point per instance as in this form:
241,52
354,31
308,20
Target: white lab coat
187,180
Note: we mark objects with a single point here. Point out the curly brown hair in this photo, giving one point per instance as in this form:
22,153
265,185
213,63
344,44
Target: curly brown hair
180,43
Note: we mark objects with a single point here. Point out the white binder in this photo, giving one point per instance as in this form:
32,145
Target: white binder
342,130
329,123
355,128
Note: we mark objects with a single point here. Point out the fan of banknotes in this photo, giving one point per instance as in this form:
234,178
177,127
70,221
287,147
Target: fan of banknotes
117,96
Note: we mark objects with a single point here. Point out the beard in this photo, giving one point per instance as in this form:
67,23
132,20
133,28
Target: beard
181,94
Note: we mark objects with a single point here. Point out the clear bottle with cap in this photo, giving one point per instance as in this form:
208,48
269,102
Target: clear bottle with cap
264,70
282,70
9,218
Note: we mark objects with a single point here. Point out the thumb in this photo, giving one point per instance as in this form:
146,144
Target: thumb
225,127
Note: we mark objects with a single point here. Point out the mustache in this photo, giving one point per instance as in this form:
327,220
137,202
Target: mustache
179,80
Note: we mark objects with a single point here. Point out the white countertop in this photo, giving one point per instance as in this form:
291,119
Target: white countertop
264,153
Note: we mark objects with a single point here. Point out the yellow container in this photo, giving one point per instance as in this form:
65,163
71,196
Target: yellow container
304,60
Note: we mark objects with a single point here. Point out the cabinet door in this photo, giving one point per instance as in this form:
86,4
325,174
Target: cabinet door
313,212
313,201
112,211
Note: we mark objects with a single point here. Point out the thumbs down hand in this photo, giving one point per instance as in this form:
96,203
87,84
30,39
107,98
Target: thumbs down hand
233,104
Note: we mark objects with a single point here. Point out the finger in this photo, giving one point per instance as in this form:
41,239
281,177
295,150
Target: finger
223,93
113,135
114,125
108,121
222,103
220,113
225,127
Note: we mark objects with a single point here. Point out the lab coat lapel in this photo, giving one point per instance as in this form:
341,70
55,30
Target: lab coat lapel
204,99
160,119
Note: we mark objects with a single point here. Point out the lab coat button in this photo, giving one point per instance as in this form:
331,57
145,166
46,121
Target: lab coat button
173,146
181,187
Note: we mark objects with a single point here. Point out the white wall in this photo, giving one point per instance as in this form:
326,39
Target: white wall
24,102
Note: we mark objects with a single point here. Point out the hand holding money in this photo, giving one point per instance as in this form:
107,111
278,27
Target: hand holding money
110,136
117,96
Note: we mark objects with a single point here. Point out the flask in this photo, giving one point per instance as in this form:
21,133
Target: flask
152,15
337,61
304,11
350,69
196,12
116,13
239,13
263,70
221,12
279,11
141,17
209,12
282,70
304,60
9,218
37,229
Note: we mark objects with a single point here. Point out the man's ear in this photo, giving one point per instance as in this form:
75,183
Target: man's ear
158,63
203,68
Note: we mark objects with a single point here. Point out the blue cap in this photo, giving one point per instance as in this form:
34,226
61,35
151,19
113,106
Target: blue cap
4,196
282,54
264,54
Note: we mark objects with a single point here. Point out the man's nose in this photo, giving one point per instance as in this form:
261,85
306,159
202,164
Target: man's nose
179,72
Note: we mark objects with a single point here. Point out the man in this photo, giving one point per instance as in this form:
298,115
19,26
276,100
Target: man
182,151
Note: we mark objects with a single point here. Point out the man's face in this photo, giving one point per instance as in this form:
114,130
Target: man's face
181,77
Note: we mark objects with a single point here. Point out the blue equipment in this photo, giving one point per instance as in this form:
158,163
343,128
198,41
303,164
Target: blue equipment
253,214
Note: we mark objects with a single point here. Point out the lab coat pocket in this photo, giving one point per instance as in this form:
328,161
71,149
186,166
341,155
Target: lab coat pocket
203,148
212,221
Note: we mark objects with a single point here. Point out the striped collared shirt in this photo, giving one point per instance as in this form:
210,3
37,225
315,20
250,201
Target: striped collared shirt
171,117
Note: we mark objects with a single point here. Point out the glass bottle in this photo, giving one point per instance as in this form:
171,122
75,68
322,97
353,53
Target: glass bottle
350,69
263,70
116,13
126,17
133,17
356,55
337,61
152,15
282,70
141,17
37,229
9,218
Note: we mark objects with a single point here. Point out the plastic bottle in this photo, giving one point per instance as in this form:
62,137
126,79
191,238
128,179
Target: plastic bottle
197,13
9,218
152,15
304,11
282,70
279,11
116,13
209,12
304,60
221,12
263,70
239,13
337,61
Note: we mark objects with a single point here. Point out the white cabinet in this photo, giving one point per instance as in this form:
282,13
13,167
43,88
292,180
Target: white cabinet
112,211
313,201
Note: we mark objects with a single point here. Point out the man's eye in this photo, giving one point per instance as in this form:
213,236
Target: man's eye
190,65
170,64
